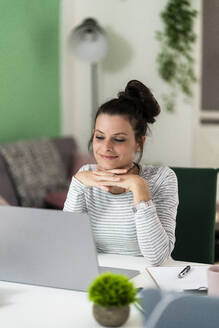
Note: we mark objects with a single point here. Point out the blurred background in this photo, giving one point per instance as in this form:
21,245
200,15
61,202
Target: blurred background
46,91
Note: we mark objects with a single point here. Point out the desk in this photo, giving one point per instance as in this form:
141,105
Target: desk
26,306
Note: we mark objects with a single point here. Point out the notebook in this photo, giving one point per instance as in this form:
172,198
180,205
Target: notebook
167,277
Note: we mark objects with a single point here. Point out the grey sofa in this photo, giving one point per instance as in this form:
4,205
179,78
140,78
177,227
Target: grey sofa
67,149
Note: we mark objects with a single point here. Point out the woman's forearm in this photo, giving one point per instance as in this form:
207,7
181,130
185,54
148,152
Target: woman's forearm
154,242
140,191
75,201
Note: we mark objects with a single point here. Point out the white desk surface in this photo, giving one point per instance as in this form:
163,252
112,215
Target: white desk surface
27,306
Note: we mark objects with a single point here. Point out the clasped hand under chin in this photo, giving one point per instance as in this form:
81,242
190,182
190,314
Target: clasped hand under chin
116,173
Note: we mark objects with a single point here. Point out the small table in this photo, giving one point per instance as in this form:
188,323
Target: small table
27,306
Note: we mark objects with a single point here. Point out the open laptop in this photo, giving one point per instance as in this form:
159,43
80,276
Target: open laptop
49,248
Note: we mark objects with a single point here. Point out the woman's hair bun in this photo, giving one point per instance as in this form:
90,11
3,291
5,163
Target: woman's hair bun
145,102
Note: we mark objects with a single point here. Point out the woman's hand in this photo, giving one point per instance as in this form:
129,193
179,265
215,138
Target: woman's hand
124,180
95,179
127,181
116,178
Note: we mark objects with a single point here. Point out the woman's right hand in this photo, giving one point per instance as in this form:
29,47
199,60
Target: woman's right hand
94,178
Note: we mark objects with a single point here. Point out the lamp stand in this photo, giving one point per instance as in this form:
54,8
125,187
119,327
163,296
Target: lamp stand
94,92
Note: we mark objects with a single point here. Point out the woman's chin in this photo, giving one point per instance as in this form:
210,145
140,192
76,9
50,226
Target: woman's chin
107,166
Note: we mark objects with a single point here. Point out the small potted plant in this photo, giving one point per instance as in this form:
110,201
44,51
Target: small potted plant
111,295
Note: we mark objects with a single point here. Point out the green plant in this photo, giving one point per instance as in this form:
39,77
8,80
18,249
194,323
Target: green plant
112,289
175,60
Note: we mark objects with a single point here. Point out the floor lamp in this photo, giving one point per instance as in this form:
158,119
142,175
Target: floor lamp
89,43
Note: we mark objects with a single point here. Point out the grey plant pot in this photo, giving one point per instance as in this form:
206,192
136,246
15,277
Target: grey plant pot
111,316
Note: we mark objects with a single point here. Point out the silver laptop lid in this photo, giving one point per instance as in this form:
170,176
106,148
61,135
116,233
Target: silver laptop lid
46,247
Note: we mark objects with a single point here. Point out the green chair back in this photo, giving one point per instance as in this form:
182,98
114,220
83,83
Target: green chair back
195,221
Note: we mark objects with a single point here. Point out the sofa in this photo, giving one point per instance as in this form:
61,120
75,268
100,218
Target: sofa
53,195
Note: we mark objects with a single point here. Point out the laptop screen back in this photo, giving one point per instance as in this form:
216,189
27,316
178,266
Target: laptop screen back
46,247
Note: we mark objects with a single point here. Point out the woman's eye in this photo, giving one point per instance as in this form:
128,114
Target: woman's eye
99,137
119,140
116,139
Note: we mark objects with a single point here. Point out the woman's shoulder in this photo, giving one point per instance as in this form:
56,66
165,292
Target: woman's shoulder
151,172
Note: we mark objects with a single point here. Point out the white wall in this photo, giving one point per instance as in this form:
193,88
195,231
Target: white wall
131,27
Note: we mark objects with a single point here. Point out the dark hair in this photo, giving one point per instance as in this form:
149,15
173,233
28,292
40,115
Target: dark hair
137,104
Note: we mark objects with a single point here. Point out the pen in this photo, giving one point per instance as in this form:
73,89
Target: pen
184,271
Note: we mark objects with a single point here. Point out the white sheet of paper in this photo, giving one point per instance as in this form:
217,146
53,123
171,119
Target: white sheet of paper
167,277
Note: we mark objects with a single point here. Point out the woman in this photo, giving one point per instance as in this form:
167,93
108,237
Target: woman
132,207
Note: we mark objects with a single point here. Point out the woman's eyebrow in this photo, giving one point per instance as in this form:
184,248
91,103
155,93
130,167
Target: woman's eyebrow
115,134
99,131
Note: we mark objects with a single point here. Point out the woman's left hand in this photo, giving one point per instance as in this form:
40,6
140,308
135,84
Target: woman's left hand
127,181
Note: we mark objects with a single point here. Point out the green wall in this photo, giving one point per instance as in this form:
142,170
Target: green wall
29,69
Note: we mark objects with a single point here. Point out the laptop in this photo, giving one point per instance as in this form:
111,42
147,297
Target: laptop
49,248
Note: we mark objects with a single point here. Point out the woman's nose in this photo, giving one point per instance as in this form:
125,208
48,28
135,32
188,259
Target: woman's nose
108,145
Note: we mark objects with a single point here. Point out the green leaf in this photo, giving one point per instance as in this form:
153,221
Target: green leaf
175,60
112,289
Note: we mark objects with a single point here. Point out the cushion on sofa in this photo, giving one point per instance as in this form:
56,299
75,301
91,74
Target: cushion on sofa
56,200
7,189
36,169
79,159
67,149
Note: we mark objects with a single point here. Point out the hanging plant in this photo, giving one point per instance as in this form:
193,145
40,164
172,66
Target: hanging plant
175,60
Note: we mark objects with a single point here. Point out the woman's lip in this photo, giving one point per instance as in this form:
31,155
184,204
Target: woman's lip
108,157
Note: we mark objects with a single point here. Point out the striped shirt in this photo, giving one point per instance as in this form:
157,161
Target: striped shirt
119,227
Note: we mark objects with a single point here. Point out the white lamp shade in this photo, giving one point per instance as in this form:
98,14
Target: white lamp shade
89,41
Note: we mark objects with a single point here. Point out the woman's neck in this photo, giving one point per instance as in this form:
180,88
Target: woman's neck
133,170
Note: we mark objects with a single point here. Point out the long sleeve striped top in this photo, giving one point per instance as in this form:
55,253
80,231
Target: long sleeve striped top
121,228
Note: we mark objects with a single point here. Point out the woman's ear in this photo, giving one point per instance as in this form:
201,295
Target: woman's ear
141,143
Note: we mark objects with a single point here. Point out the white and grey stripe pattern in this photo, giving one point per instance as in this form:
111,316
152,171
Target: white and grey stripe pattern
119,228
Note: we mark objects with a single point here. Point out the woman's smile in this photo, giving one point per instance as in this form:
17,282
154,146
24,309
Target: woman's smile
109,157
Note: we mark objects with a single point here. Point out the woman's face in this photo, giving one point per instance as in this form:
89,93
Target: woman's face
114,143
